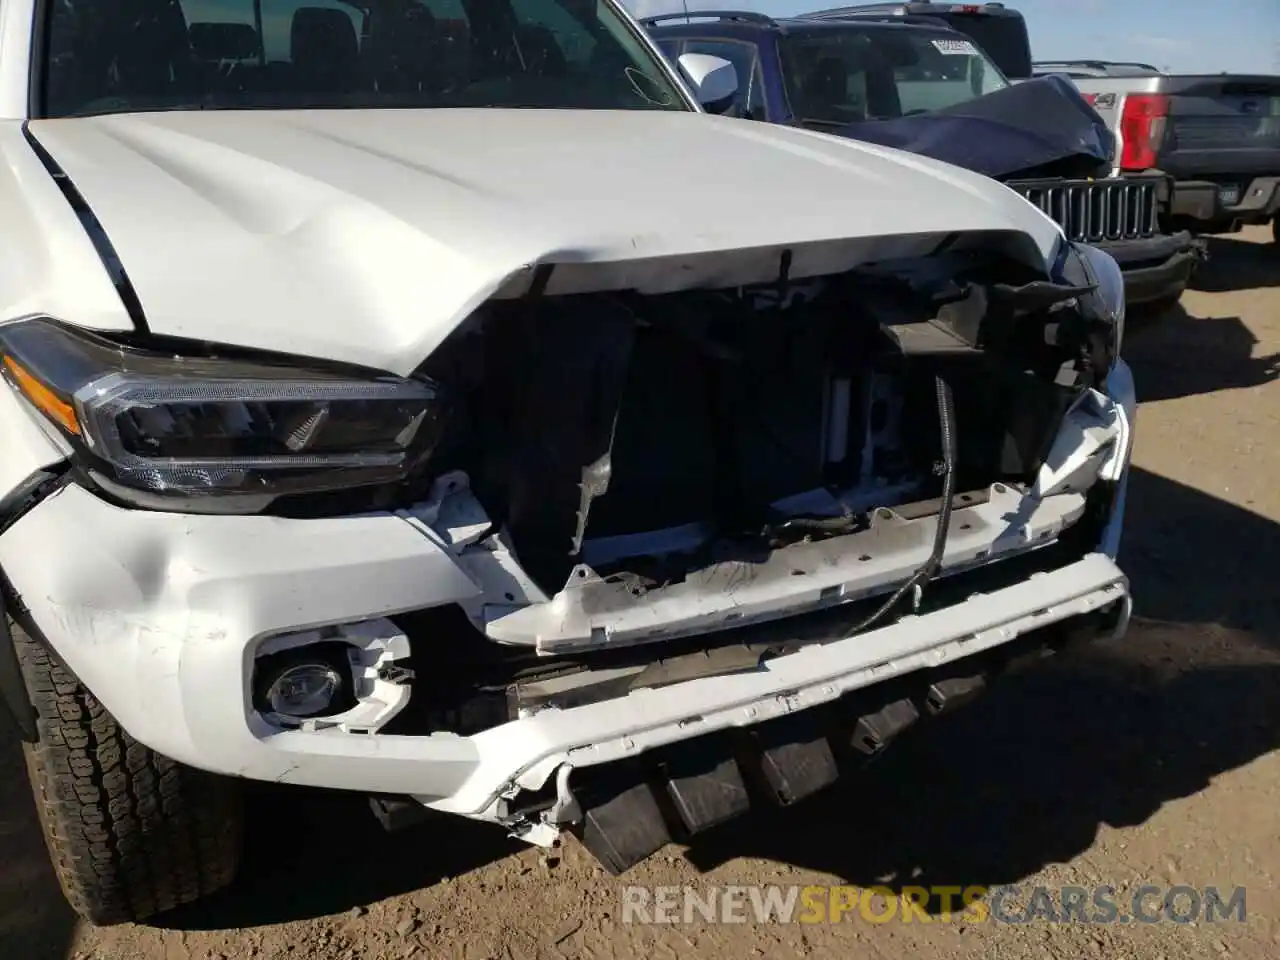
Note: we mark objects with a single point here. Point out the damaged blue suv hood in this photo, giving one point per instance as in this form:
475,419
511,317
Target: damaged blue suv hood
1042,127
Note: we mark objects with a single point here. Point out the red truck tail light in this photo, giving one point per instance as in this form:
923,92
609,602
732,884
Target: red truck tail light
1142,125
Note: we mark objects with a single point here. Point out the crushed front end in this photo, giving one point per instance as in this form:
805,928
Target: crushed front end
667,556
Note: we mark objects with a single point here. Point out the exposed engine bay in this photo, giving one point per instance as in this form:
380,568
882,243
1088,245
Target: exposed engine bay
640,441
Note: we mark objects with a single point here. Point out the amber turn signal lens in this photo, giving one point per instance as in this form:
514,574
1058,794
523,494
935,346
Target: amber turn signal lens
44,399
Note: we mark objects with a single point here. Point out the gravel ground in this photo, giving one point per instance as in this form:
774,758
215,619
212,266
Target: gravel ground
1149,761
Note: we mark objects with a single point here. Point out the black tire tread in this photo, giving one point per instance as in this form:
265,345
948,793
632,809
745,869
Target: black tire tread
130,833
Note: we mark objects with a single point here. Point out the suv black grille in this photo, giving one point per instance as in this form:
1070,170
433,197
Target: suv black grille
1094,211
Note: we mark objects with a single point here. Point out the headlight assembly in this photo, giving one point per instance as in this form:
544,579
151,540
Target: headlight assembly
215,435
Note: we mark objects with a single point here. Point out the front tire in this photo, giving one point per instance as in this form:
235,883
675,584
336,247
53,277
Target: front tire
130,833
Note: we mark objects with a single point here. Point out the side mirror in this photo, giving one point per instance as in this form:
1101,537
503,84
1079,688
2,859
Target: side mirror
714,80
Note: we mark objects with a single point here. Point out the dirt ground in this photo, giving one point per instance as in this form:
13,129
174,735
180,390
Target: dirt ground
1154,760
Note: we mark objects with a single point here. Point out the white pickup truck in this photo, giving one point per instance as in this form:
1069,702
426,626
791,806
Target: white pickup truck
444,406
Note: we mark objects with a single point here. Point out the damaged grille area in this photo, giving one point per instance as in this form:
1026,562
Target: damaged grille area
687,488
653,437
1097,211
465,685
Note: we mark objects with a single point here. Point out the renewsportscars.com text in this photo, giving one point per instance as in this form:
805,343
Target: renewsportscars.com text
1103,904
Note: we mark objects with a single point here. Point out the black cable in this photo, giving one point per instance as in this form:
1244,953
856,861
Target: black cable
947,423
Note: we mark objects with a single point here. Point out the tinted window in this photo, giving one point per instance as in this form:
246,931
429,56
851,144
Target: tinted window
1003,37
552,32
836,77
745,58
112,56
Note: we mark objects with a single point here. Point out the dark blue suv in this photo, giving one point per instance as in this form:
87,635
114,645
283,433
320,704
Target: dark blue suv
833,73
804,70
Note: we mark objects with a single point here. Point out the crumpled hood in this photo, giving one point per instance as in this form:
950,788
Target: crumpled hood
368,236
1036,126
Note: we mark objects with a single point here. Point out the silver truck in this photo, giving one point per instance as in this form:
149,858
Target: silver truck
1217,135
1084,69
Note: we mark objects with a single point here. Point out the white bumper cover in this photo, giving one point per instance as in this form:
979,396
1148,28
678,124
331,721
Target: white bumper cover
160,615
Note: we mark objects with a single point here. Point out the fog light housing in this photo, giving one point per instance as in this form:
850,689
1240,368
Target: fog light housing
305,682
304,690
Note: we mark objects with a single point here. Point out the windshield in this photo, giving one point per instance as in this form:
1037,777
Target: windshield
837,77
1003,36
115,56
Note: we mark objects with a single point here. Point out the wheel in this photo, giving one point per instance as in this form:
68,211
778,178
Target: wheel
130,833
1275,231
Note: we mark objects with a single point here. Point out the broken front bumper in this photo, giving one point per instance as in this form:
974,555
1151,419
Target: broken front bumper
1156,268
162,615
